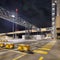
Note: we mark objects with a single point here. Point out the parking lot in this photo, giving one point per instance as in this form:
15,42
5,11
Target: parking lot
48,50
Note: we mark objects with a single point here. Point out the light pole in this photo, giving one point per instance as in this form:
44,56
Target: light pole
25,29
13,16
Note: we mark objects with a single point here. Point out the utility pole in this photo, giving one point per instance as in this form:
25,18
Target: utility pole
13,16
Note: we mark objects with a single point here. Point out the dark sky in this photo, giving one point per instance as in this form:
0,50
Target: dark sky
6,26
37,12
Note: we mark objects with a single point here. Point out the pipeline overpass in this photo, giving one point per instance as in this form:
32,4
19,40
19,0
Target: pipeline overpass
30,31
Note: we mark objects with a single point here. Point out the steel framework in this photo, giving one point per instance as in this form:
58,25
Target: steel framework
7,15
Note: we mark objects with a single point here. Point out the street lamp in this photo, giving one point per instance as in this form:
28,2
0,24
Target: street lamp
13,16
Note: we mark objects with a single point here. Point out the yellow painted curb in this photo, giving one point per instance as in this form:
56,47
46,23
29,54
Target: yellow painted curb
41,58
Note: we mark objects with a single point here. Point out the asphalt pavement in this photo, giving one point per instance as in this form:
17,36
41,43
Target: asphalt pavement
43,50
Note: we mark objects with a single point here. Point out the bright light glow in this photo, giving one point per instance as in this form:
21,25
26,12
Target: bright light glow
53,14
55,1
53,8
53,18
53,23
13,16
43,29
53,4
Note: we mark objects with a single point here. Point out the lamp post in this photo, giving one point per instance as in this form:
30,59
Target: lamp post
13,16
25,29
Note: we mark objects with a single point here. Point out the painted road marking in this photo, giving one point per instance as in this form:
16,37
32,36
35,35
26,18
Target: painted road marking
41,58
23,54
3,52
48,47
44,49
14,50
18,52
19,57
40,51
6,55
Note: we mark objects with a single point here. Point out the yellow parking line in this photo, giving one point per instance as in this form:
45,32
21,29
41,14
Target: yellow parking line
40,51
47,47
19,57
44,49
41,58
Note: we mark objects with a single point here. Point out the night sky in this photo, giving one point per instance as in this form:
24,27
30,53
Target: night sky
37,12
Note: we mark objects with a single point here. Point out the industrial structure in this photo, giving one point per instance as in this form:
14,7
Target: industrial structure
32,35
53,31
30,28
58,19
